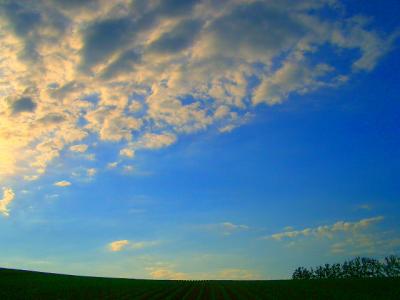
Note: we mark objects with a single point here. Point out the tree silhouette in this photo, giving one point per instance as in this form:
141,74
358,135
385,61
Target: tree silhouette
359,267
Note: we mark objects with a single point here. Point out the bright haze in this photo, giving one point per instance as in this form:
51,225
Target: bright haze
198,139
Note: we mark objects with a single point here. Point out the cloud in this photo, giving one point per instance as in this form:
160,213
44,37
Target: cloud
91,172
140,74
118,245
81,148
225,228
178,39
127,152
8,197
366,244
63,183
112,165
103,38
166,273
155,141
31,177
130,245
328,230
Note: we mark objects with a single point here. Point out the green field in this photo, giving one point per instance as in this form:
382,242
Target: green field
15,284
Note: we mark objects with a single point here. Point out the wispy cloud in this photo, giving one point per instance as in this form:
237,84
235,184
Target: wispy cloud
327,230
225,228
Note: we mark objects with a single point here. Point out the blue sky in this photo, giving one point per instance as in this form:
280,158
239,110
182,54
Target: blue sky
198,139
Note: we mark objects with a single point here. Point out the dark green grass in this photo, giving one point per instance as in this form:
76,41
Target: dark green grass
16,284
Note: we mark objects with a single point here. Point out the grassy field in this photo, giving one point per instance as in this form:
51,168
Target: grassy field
16,284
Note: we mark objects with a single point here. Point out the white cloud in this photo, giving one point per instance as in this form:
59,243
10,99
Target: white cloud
8,197
63,183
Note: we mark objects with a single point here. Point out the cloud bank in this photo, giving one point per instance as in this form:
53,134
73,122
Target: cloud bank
140,74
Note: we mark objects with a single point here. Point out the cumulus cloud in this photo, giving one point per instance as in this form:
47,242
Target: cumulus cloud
328,230
8,197
141,74
63,183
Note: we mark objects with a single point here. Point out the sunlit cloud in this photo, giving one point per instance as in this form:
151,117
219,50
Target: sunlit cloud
8,197
166,273
142,75
120,245
63,183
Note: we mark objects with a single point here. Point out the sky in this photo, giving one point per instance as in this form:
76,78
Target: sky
198,139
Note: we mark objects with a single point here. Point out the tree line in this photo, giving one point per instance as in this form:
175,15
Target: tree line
359,267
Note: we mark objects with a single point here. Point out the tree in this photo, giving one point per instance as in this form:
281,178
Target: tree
392,266
355,268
